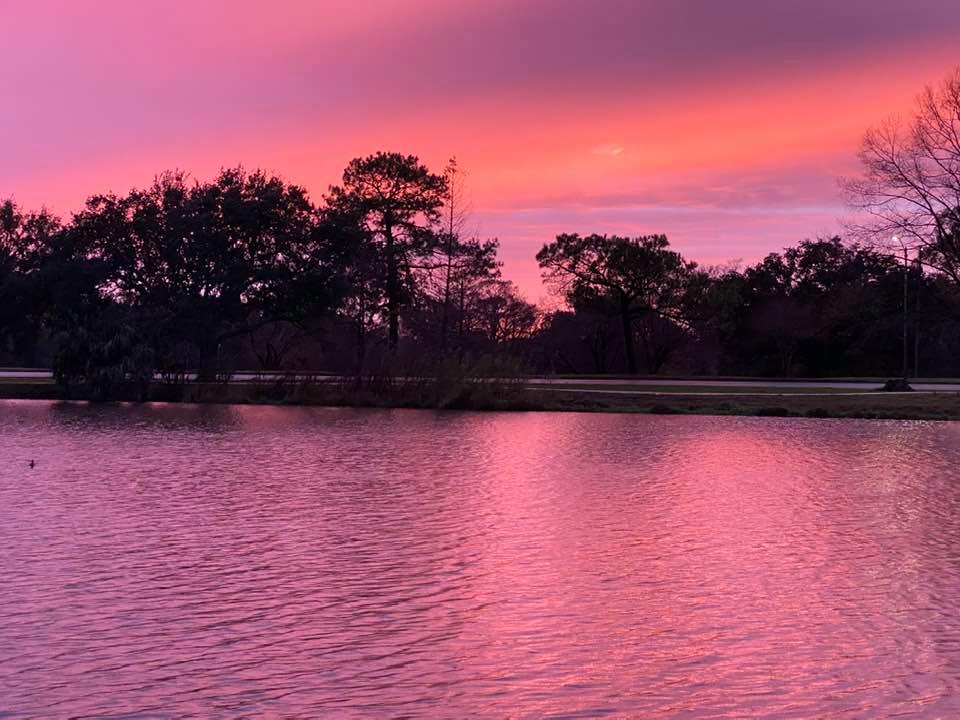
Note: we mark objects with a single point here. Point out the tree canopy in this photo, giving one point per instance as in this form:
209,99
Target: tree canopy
209,261
395,202
187,277
631,276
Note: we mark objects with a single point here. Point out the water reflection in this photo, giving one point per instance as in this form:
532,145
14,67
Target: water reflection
222,561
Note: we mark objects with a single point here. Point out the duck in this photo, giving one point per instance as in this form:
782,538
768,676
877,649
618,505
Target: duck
32,463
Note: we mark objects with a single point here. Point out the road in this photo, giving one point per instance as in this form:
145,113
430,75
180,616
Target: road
650,384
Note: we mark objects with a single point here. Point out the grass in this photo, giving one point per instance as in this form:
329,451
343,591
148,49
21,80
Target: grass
457,392
29,389
872,405
680,379
681,389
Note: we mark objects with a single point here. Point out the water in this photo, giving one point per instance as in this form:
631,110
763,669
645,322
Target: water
177,561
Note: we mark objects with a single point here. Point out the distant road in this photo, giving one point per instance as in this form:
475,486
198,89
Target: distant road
630,385
19,373
652,384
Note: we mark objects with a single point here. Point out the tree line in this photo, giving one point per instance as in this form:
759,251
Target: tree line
188,277
245,271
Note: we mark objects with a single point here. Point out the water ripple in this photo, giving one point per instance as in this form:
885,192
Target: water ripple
175,561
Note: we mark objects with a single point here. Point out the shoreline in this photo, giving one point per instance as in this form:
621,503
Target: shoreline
517,397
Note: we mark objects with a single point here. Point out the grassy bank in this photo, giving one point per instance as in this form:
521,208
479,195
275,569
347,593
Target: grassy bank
464,394
821,404
437,393
678,388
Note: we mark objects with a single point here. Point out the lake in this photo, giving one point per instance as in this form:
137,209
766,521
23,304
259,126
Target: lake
166,561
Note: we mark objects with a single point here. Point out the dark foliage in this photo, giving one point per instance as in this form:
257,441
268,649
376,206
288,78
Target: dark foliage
198,279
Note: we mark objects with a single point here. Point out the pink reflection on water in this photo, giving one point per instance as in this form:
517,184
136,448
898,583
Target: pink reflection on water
272,561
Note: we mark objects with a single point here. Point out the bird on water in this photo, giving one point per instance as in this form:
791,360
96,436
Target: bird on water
32,464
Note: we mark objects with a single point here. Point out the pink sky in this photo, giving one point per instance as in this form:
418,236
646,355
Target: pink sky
722,124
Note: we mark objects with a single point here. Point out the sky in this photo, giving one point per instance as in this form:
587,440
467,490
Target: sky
723,125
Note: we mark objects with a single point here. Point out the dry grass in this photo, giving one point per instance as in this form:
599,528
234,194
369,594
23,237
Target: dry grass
879,405
492,388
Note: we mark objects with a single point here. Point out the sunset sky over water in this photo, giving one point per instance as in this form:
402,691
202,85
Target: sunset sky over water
722,124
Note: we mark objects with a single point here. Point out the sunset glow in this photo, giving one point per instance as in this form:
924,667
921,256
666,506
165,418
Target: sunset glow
480,358
723,125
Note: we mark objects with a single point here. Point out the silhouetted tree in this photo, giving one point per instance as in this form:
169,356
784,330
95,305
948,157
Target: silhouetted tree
578,341
475,268
395,201
660,338
207,262
364,303
450,293
497,316
26,240
910,186
182,273
819,307
633,276
456,256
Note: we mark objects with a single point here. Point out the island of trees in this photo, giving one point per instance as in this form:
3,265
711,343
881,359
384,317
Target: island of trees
190,278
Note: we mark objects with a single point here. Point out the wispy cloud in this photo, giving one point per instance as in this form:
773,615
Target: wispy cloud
609,150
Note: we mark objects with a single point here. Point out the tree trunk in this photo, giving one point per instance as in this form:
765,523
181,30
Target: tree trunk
361,341
628,348
654,356
461,308
209,359
445,322
452,241
598,347
393,293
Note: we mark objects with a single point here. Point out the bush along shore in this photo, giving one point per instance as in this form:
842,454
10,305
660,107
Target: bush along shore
436,393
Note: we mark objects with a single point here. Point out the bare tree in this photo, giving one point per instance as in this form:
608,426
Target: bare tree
456,255
499,314
909,192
